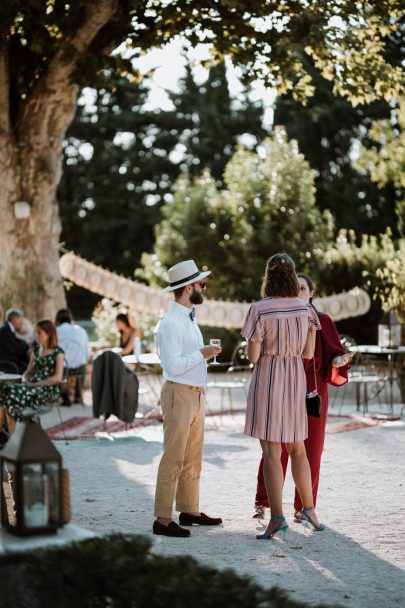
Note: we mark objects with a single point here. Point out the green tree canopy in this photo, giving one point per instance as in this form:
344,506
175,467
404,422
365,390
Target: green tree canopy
267,205
346,40
352,262
50,48
114,177
386,164
329,131
385,160
208,121
119,162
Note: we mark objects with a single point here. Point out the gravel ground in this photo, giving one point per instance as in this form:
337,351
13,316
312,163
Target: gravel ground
359,561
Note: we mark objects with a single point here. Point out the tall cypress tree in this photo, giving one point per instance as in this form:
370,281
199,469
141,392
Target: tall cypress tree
208,122
110,198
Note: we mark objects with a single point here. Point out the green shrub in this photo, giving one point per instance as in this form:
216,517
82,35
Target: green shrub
120,572
348,263
266,206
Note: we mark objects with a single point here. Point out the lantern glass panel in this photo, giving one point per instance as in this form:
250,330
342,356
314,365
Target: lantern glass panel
52,473
9,492
35,496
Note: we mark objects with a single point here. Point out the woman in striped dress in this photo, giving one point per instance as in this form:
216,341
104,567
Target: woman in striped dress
330,364
280,330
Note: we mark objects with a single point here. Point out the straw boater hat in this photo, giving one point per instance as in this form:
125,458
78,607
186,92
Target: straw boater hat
184,273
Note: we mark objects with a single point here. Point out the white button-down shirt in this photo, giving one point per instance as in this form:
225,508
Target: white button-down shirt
74,341
179,341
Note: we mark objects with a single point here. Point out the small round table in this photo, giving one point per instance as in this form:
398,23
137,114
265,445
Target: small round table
143,359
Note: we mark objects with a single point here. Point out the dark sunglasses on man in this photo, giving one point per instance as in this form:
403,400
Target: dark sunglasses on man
202,284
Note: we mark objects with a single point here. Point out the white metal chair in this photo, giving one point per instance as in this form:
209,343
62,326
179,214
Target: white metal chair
239,363
369,376
8,367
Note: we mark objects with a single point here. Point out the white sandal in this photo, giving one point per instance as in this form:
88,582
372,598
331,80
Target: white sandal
258,512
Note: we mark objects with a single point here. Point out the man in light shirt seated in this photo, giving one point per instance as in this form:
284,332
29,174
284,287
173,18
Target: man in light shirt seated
183,357
75,343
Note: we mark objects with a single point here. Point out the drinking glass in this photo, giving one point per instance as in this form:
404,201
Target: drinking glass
215,342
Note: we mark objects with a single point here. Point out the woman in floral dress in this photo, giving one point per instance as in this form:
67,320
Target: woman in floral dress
41,380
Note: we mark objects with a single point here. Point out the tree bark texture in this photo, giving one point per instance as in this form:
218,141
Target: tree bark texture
31,166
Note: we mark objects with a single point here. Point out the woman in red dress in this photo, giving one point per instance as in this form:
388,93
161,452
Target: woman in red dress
331,365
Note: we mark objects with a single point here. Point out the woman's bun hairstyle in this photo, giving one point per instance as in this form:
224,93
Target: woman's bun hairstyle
280,279
280,263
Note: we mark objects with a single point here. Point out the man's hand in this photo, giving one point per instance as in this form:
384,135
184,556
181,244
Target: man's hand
210,351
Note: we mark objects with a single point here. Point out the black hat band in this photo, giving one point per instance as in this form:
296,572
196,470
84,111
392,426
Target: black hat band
192,276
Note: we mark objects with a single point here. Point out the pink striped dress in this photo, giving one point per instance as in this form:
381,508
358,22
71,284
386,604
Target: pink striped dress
276,400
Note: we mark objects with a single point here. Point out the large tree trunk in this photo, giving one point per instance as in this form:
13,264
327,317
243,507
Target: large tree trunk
30,165
29,270
31,160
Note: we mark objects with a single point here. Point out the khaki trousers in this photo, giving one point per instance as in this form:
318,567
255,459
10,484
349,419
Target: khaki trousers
183,409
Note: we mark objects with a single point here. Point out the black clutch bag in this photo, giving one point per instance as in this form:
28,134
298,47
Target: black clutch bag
314,405
314,402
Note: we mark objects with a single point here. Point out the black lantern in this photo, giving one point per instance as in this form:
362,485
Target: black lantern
31,488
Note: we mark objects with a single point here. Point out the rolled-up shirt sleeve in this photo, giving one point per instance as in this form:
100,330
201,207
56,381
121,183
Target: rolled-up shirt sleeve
174,361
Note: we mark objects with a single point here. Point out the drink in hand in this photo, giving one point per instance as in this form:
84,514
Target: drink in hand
215,342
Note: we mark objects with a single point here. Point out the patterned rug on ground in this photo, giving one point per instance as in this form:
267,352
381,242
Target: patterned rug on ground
353,423
90,428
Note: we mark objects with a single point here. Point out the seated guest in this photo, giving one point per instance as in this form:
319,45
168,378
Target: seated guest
26,331
75,343
41,380
128,332
12,349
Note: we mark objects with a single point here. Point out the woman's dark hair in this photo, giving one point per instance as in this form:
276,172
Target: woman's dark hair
308,280
64,315
49,328
311,286
280,279
124,319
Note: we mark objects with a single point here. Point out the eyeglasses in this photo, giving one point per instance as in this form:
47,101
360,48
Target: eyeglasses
202,284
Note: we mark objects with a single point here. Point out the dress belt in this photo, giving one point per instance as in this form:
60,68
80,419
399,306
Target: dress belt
198,389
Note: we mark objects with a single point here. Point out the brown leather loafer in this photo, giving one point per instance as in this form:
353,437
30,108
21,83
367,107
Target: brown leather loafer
172,529
186,519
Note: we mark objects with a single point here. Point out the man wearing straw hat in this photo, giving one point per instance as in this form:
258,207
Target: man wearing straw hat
183,357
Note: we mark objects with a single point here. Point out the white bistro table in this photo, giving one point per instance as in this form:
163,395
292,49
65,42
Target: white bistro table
390,353
10,377
143,359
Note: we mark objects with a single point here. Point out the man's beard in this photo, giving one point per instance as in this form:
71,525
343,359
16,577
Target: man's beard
196,297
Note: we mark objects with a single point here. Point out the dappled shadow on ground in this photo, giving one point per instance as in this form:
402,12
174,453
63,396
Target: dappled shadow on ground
325,567
218,454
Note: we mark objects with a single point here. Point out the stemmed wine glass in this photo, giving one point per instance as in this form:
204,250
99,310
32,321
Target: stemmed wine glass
215,342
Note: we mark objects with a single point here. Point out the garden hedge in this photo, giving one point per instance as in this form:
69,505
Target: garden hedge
119,571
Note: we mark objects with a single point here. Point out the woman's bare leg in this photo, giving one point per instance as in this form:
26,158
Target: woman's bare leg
3,418
10,424
273,479
302,475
